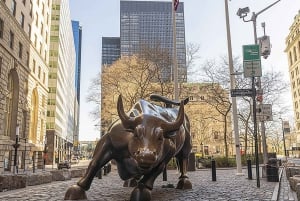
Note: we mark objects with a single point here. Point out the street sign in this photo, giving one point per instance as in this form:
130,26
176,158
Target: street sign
251,61
264,112
241,92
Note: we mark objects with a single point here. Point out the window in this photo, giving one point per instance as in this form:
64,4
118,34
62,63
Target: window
41,47
27,59
36,19
11,39
30,5
42,28
1,28
29,30
20,50
44,78
1,62
33,66
22,20
13,7
35,40
39,72
295,54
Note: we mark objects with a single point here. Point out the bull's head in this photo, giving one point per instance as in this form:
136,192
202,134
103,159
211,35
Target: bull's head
149,135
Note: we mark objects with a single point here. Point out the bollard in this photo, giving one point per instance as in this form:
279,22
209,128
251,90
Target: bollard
249,169
105,170
165,174
99,173
213,170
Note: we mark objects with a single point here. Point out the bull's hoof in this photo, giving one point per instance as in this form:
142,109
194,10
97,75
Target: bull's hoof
141,193
75,192
130,183
184,183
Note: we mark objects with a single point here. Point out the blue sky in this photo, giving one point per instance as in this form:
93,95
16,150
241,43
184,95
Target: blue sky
204,25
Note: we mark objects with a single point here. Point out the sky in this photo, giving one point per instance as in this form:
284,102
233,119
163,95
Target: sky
204,25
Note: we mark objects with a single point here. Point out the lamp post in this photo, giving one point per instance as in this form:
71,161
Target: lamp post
283,137
16,146
242,13
202,151
45,153
233,99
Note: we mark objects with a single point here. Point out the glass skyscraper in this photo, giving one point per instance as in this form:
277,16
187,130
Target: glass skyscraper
110,49
150,24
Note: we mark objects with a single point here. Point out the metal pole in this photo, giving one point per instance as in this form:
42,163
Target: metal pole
284,147
175,69
255,132
15,170
233,99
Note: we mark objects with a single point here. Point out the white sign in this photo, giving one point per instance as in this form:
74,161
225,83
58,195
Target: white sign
252,68
264,112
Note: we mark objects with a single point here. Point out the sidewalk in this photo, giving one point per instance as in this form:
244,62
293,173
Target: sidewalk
285,193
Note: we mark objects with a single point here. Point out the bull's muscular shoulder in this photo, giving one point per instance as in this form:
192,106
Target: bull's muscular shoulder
143,107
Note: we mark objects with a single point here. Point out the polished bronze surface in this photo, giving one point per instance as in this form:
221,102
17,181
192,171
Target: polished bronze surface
142,142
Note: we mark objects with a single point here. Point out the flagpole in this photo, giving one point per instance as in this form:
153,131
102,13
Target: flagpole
175,69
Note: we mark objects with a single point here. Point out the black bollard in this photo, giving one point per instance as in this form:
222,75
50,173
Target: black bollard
99,173
249,169
165,174
213,170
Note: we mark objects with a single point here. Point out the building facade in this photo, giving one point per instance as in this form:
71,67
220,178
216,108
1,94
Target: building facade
293,54
24,39
111,50
77,33
62,94
149,25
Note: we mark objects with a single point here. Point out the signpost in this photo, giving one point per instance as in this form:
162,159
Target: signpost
264,112
251,61
241,92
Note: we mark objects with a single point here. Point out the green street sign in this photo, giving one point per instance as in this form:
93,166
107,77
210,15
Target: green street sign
251,61
251,52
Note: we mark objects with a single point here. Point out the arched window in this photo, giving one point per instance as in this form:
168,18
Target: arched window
12,100
34,116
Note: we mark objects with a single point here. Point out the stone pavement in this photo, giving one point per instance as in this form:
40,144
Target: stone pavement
229,187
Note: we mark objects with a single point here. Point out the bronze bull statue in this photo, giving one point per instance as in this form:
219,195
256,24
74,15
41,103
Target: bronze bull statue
142,142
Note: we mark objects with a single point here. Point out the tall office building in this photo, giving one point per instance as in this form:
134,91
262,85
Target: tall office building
24,56
62,93
110,50
77,33
149,24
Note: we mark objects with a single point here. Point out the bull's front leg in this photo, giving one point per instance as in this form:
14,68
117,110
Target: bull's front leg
142,191
101,156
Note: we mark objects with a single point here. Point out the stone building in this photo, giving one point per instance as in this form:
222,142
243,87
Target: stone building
24,50
293,54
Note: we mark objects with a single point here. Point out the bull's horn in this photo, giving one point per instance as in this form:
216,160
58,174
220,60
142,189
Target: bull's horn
126,120
173,126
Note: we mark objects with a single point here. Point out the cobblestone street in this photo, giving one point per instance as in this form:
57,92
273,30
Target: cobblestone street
228,186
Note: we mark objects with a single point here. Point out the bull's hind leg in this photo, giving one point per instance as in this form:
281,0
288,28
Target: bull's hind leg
182,161
101,156
142,191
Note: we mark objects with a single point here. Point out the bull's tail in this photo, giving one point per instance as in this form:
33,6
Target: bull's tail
168,102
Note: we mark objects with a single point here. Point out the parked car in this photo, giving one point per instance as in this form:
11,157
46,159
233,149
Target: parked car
74,160
64,164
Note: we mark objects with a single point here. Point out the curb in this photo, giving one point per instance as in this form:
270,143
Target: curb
277,187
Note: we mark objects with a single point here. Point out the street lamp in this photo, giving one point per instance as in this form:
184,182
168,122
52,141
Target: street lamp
242,13
284,147
202,151
16,146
